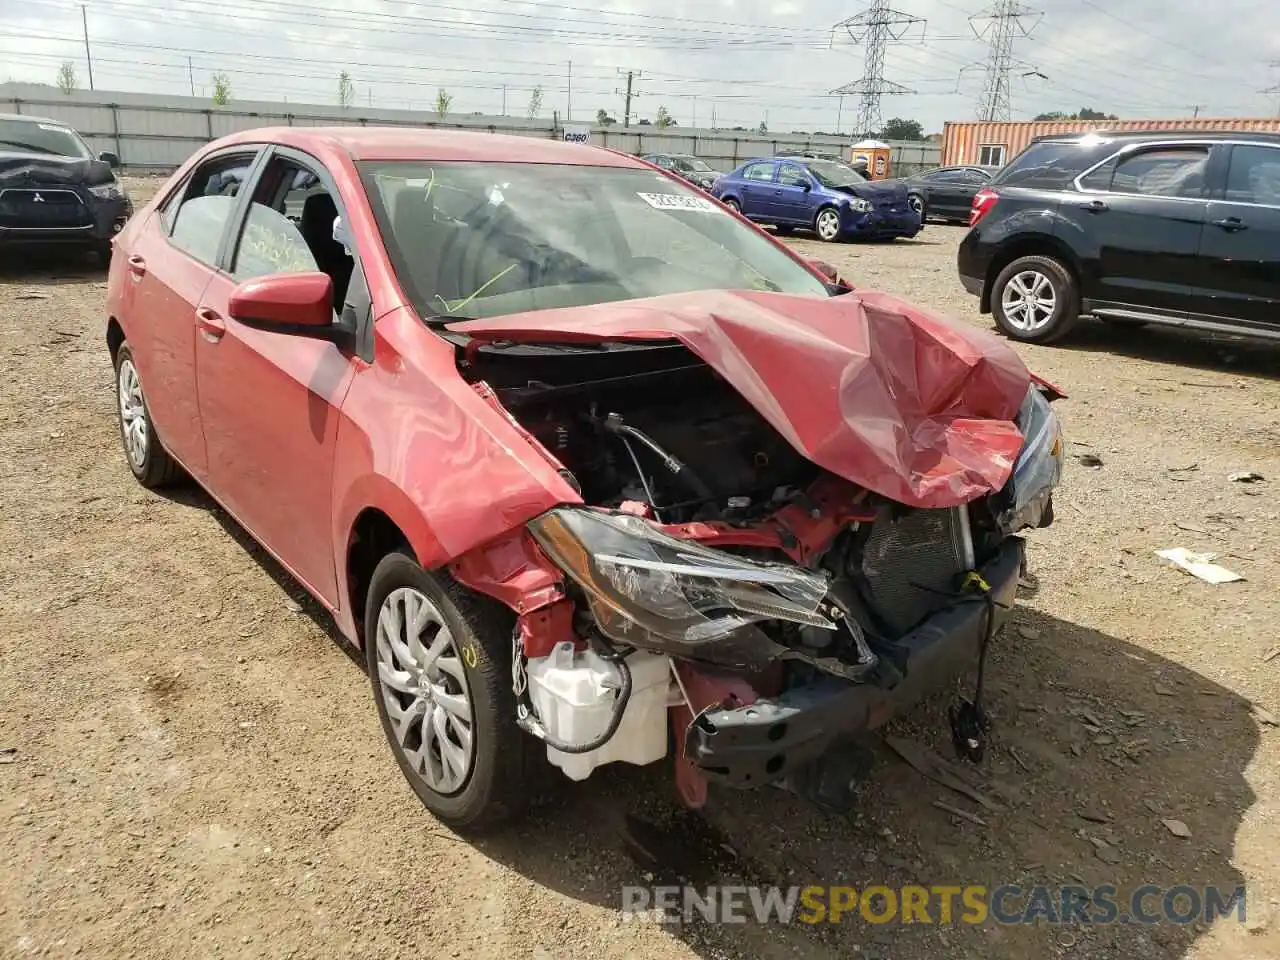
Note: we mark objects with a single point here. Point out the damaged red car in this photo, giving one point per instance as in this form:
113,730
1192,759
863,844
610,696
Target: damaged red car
590,468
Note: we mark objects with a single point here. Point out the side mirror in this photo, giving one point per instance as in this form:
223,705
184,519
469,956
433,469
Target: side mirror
109,158
298,303
831,274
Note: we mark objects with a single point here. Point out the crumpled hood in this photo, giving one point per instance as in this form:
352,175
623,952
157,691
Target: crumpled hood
867,386
18,169
876,190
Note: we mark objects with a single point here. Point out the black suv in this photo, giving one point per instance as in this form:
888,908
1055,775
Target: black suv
53,191
1173,227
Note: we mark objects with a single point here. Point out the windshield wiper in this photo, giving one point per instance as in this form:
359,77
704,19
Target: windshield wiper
29,146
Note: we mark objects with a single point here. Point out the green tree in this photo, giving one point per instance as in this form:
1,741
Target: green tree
443,102
763,128
346,90
1084,113
603,119
900,129
535,102
221,89
663,119
67,80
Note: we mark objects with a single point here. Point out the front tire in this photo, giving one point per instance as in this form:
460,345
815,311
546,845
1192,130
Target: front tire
827,224
148,459
439,660
1035,300
732,204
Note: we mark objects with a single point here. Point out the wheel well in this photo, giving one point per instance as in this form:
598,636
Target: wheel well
1034,246
372,538
115,337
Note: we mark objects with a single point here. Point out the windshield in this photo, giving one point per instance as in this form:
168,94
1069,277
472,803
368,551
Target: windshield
831,173
31,136
693,163
486,239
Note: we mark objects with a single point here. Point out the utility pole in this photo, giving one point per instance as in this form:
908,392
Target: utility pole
694,122
568,103
84,20
1003,22
1195,111
191,77
504,99
629,94
1274,90
875,28
839,113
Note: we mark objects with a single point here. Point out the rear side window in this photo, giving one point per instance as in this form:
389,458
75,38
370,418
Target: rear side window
1048,166
1162,172
758,171
199,214
1254,176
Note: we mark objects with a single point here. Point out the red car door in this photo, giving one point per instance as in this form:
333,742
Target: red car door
169,265
270,401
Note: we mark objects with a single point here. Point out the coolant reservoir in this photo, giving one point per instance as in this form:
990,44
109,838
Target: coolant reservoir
574,693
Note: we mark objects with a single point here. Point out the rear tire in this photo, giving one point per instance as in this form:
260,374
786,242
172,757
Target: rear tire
148,459
472,666
1035,300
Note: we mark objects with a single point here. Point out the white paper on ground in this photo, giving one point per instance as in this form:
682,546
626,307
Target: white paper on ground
1199,565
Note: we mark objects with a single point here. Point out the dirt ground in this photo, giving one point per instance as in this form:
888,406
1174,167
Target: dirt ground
192,765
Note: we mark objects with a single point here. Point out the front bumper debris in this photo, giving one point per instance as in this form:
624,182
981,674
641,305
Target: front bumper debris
765,741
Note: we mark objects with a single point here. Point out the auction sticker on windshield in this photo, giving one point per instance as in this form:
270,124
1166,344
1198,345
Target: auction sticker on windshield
673,201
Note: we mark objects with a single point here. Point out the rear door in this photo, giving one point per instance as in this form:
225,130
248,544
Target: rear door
1138,218
270,401
946,191
1240,251
169,266
757,189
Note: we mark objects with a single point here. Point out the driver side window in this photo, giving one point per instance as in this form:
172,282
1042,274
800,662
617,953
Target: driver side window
792,176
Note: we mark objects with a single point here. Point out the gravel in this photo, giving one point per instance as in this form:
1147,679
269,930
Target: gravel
193,765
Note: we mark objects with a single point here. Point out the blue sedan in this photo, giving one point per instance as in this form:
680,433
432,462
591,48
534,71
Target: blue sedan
829,197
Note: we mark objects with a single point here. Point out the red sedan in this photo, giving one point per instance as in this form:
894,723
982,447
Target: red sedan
575,454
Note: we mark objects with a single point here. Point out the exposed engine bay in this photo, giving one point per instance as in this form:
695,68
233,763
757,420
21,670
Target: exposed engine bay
719,547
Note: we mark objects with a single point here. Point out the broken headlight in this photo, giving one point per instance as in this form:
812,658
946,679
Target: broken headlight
1038,468
645,587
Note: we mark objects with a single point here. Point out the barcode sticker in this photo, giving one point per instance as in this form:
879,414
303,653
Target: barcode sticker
674,201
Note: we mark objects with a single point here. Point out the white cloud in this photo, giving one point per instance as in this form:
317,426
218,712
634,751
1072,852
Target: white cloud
741,60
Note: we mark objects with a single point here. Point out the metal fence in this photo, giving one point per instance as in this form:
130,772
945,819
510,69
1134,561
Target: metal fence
158,132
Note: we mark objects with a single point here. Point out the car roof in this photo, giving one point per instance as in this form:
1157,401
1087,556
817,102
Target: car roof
1138,135
426,143
30,119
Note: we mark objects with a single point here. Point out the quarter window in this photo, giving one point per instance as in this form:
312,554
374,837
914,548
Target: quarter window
1163,172
758,171
205,207
1254,175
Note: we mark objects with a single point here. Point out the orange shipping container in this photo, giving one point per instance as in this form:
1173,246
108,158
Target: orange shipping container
995,144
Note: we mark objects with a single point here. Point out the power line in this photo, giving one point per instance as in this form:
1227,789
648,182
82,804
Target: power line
874,28
1003,22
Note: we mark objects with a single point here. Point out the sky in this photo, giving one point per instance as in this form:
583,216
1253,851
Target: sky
740,62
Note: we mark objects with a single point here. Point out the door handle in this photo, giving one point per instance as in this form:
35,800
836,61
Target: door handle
137,265
210,325
1095,206
1231,224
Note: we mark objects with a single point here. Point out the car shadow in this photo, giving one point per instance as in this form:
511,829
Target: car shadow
49,266
1096,743
1183,348
1090,754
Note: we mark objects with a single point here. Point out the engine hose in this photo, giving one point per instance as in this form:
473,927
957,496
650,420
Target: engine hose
528,721
614,424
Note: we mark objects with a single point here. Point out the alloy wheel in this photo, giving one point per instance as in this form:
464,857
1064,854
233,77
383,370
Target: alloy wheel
915,202
424,688
1029,301
828,225
133,413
